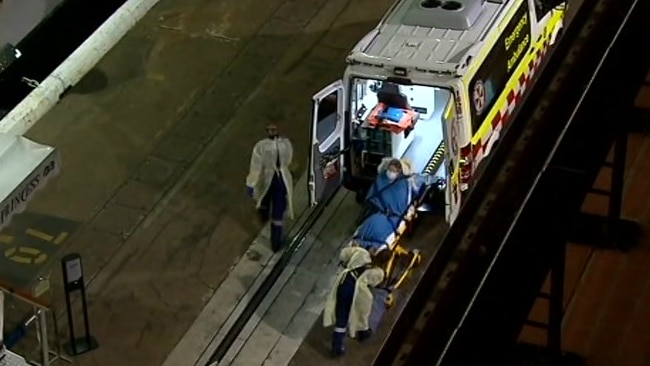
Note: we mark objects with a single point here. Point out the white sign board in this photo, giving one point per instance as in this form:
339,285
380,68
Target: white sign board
73,270
25,166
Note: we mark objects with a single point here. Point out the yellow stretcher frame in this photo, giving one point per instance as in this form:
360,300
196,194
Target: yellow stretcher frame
398,251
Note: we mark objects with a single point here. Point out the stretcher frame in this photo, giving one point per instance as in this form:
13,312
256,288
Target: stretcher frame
406,223
398,251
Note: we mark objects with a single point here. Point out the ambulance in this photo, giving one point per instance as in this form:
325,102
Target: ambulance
436,83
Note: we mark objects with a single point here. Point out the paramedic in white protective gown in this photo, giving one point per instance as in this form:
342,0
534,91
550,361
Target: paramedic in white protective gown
349,303
269,182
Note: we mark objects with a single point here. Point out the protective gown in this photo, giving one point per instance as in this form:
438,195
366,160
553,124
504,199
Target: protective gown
362,300
264,158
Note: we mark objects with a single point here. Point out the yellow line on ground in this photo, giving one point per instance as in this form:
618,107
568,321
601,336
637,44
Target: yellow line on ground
39,234
61,238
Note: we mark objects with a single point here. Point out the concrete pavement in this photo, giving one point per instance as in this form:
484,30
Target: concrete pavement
155,145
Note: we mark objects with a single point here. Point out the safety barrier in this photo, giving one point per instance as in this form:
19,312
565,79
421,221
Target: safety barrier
39,320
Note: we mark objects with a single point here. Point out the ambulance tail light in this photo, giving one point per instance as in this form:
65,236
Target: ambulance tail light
465,166
465,174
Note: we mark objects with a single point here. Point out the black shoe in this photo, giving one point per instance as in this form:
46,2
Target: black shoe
277,240
337,352
276,247
364,335
338,341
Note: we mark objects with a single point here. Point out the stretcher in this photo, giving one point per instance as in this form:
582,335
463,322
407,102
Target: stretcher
379,232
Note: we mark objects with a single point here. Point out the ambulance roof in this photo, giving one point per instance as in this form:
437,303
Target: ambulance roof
435,35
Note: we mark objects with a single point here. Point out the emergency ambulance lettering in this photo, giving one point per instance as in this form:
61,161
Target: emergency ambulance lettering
517,41
515,32
513,60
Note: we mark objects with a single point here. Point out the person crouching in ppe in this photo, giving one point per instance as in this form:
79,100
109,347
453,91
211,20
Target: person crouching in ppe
269,182
350,301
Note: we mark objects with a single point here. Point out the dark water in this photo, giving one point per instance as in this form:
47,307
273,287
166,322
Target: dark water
19,17
51,42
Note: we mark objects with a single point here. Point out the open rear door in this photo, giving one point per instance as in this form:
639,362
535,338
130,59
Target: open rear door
452,129
325,158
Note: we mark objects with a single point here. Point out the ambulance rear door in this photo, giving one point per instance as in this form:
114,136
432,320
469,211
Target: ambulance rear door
327,129
456,136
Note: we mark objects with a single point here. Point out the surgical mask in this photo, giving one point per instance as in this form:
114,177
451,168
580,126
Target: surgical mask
392,175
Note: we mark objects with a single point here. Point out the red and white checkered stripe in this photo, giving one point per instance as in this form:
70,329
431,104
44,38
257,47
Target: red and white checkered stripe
482,148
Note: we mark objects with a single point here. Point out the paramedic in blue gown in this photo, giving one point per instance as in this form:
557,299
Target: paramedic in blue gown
270,183
349,305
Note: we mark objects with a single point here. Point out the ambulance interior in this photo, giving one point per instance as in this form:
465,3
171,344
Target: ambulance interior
392,120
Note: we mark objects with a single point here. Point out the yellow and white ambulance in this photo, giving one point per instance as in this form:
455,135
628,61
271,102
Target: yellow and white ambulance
436,83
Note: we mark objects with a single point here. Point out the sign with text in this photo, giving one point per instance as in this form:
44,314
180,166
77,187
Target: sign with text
29,165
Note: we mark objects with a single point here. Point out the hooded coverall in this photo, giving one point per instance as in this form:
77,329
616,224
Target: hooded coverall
349,304
272,184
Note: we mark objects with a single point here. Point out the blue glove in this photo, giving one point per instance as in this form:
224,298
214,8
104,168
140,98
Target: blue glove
250,191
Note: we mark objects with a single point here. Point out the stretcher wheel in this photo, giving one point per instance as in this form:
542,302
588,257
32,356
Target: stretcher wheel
389,301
